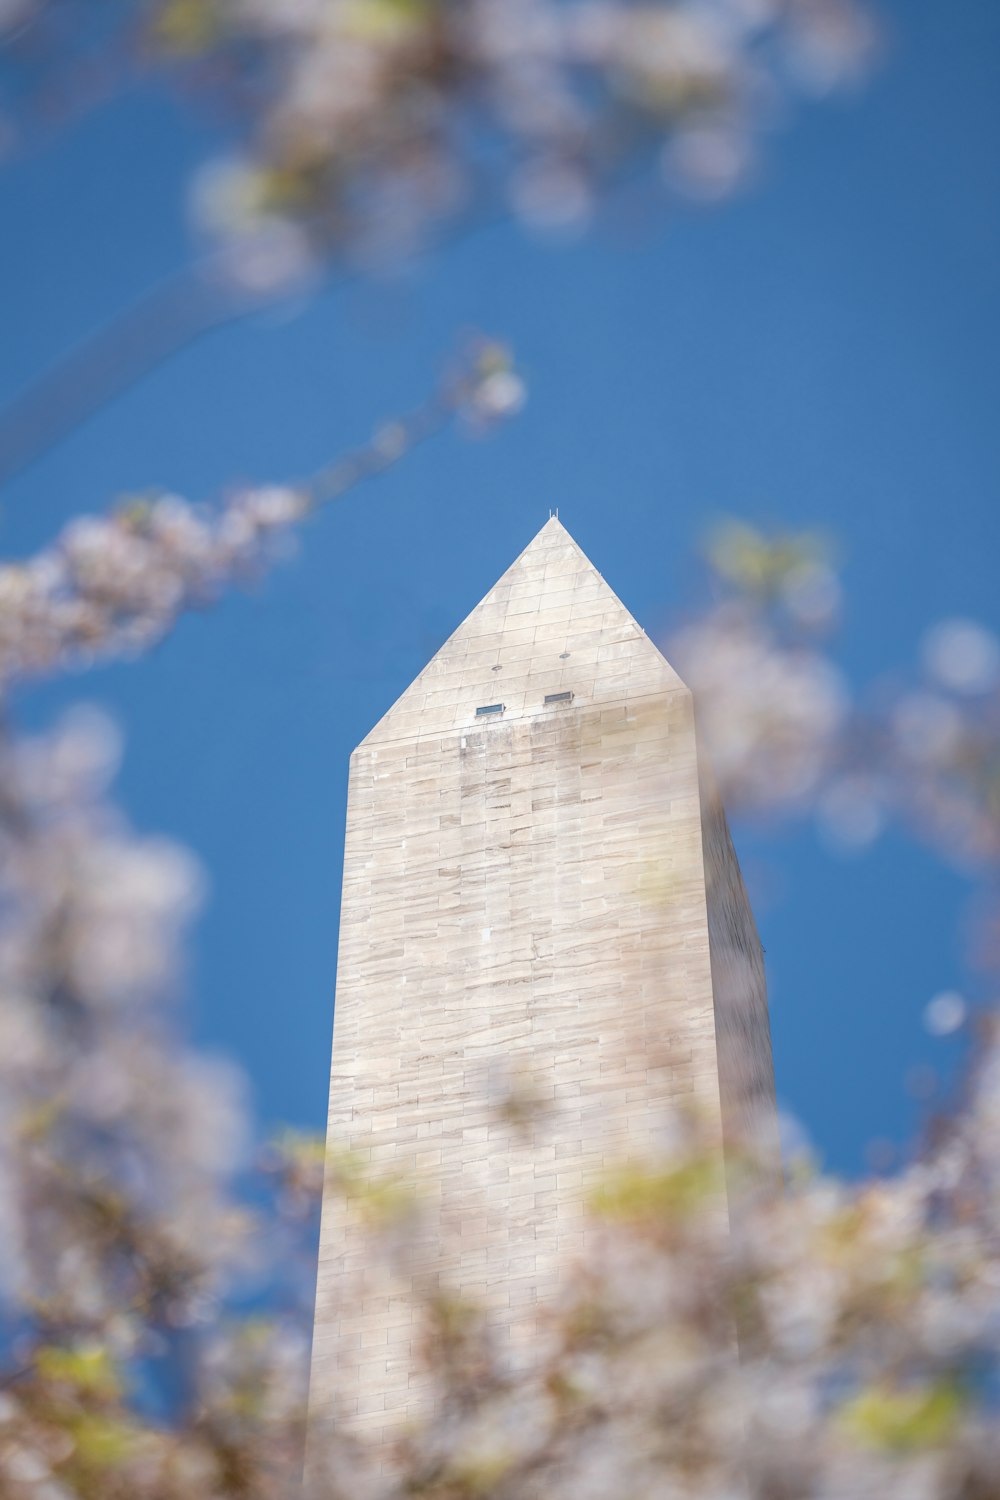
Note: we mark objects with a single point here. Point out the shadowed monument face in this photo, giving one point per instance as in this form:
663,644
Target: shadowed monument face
541,904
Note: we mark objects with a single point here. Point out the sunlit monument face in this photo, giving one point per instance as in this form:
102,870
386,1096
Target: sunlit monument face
545,944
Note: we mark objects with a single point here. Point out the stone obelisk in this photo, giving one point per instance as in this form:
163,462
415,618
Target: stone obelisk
540,902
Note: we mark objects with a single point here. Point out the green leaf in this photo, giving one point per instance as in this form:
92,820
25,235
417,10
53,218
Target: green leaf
904,1419
636,1193
89,1368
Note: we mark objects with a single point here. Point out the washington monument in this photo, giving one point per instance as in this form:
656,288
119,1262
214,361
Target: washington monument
540,902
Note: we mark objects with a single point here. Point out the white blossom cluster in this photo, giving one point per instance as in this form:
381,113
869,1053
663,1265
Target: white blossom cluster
104,1112
115,584
784,733
119,1149
771,712
372,122
819,1341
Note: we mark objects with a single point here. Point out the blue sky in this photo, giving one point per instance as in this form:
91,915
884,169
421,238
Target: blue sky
822,351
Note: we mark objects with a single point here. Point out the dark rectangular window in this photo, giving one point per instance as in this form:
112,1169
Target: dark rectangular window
490,708
559,697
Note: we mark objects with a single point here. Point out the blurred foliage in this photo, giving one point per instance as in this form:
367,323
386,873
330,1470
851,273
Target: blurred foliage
763,565
905,1419
638,1195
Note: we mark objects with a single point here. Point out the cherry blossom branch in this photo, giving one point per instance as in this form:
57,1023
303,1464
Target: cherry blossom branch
113,585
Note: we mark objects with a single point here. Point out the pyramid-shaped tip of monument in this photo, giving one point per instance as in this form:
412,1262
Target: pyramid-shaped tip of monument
551,631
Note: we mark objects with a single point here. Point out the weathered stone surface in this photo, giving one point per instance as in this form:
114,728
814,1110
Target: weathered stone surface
534,902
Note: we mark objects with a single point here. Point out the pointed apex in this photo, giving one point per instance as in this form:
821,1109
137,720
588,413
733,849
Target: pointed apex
552,536
550,626
553,527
